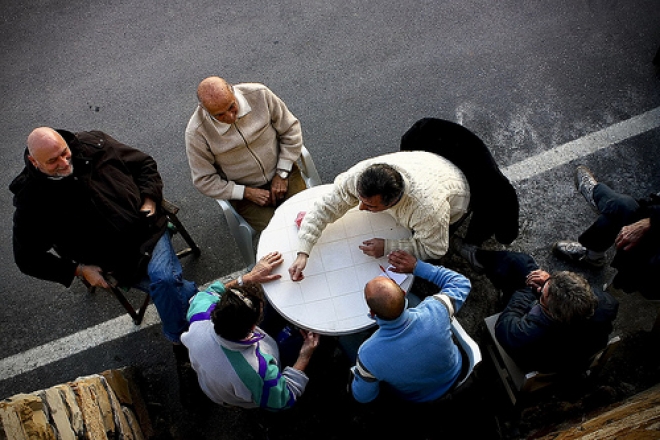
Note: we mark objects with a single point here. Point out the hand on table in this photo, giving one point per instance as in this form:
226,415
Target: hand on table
296,269
261,272
631,235
259,196
402,261
374,247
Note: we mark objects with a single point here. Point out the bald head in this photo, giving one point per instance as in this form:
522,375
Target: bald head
385,298
49,152
217,97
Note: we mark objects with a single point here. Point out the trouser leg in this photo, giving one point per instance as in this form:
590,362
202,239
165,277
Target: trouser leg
616,211
507,270
169,291
259,216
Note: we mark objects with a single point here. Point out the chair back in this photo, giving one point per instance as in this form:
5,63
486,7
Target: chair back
517,382
242,231
469,347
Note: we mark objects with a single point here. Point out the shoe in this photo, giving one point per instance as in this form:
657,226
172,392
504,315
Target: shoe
585,182
468,252
575,252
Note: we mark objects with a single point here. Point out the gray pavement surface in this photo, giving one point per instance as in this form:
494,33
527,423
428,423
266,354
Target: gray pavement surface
526,77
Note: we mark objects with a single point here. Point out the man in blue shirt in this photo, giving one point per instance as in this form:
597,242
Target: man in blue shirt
412,352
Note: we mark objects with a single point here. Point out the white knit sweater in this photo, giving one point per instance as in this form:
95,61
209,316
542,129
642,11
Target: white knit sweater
436,195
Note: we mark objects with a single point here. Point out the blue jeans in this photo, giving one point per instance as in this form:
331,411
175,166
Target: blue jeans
169,291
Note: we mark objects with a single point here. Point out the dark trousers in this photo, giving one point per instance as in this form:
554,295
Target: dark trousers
636,268
507,270
616,211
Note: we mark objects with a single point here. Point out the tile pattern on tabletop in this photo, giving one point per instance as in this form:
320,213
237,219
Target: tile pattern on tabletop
330,299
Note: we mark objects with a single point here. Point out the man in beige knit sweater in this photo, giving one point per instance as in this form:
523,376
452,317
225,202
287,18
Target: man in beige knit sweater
242,144
422,191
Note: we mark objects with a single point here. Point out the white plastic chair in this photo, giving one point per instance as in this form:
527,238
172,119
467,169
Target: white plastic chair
469,346
242,231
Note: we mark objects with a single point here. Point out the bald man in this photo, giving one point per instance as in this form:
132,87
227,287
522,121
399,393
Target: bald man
242,144
88,206
412,351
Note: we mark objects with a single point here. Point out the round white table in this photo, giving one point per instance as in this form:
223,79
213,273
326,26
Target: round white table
330,299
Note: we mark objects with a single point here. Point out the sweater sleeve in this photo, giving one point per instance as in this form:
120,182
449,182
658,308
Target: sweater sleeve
363,385
328,209
430,226
288,130
205,177
453,284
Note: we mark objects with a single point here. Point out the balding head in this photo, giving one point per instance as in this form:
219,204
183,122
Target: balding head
385,298
217,97
49,152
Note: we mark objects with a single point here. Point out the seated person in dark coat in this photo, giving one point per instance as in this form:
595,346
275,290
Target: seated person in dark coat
89,206
552,323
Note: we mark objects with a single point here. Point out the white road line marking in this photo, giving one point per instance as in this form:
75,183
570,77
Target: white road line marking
123,325
584,146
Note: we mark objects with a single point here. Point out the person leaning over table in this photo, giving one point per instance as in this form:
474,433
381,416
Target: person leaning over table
424,192
242,144
237,362
412,353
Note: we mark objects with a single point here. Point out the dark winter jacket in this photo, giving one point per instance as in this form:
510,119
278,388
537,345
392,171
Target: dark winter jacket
538,343
90,217
494,202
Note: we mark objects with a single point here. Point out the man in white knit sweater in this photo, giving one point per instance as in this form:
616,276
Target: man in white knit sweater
422,191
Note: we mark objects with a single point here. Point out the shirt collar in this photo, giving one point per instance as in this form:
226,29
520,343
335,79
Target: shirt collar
243,109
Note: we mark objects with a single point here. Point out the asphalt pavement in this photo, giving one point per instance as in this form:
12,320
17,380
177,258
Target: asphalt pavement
547,85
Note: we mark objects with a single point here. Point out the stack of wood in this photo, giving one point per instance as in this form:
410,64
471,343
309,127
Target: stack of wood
97,407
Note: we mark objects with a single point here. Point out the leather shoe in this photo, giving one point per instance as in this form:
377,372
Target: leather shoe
585,182
575,252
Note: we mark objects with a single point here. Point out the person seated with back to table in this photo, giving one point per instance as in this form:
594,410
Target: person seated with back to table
551,323
237,362
412,354
424,192
242,144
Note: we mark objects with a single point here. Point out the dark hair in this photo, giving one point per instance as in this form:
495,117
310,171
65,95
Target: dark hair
239,309
381,179
570,298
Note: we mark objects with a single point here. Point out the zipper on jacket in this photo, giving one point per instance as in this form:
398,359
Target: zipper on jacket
263,170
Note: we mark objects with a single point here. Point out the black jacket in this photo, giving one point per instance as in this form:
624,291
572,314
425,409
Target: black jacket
90,217
537,342
493,200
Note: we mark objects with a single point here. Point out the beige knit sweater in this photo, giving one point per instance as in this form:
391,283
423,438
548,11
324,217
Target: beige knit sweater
436,195
225,158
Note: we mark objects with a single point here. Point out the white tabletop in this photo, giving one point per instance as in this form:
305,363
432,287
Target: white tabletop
330,299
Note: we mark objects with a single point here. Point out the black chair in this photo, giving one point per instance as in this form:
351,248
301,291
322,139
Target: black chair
119,292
